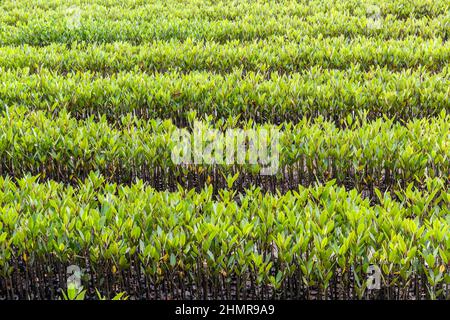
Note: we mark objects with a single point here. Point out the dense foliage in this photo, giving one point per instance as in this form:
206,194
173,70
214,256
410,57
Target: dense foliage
334,94
312,242
379,153
91,93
